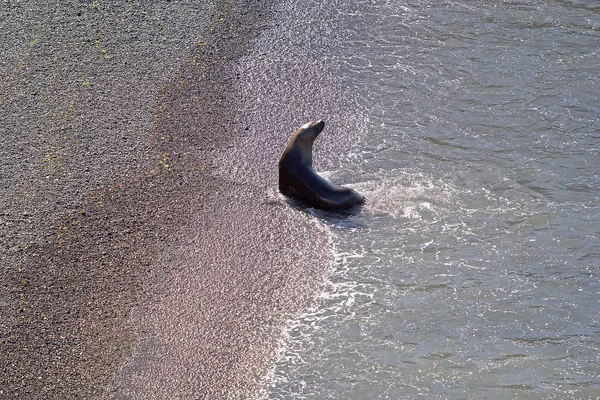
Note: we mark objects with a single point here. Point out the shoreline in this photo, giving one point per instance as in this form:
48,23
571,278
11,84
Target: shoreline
71,287
243,264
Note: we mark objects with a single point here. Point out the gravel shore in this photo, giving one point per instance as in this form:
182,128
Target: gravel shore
115,216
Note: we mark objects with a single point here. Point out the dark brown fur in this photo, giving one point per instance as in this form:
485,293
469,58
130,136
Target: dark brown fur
298,179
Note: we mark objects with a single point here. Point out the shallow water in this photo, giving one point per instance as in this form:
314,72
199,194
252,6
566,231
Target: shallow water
474,269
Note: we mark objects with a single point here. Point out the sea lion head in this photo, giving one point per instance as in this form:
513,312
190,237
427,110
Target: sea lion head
299,149
303,140
307,133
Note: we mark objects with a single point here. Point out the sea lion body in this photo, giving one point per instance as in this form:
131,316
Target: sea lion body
298,179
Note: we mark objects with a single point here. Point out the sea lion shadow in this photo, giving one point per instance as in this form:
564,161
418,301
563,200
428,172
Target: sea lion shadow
343,218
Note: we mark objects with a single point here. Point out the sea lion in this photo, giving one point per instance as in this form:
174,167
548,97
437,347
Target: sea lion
298,179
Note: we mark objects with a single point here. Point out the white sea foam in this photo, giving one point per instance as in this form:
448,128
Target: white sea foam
475,205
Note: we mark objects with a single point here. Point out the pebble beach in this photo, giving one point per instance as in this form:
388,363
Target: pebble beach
134,266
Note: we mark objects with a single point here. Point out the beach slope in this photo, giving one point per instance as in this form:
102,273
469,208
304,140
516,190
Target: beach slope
133,266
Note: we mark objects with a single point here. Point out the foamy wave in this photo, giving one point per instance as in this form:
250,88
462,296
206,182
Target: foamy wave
406,195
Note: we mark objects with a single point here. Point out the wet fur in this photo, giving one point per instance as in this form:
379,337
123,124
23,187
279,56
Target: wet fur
298,179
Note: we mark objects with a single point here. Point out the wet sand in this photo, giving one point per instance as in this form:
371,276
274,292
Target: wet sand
133,265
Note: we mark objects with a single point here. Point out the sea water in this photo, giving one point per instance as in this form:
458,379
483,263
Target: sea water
473,270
